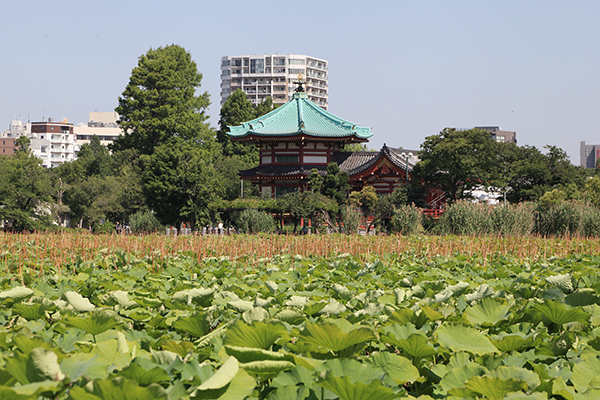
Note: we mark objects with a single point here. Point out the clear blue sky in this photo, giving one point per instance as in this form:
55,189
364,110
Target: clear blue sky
406,68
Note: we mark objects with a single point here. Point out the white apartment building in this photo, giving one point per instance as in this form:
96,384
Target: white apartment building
261,76
53,142
101,124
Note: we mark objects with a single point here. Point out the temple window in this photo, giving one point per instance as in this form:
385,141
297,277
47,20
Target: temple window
287,159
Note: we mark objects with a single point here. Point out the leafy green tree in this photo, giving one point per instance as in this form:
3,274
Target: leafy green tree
356,147
335,184
94,158
366,199
236,110
23,144
179,182
533,173
387,205
458,162
160,101
25,192
591,191
304,205
228,168
99,185
264,107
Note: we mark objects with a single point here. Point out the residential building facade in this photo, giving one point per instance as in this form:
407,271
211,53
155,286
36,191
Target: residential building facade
9,136
53,142
261,76
101,124
500,135
589,155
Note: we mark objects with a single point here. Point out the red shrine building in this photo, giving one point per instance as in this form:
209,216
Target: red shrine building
300,136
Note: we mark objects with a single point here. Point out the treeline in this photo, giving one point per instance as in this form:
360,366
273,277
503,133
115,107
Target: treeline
170,167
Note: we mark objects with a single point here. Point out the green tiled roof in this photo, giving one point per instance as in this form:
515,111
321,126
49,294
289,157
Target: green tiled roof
300,116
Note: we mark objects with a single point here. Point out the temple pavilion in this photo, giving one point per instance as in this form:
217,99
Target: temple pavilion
300,136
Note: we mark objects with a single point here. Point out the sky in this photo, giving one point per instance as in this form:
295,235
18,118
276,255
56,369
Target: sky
408,69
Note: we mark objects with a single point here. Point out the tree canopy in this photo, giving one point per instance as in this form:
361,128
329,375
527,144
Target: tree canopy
532,173
160,101
25,192
458,161
180,182
236,110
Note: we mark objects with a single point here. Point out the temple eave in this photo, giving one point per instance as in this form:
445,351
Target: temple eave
298,137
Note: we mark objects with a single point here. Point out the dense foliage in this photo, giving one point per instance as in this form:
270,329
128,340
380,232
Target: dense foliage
397,326
160,101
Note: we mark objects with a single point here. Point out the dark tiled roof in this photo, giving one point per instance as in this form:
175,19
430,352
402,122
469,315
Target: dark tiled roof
351,162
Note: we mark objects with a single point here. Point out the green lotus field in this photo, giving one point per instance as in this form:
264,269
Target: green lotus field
396,326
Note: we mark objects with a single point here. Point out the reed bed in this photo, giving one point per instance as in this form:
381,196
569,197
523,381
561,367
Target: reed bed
64,249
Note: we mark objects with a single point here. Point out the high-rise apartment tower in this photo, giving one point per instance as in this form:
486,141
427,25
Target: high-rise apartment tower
261,76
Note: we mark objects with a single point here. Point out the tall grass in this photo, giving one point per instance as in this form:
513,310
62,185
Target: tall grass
567,218
254,221
513,220
465,218
407,220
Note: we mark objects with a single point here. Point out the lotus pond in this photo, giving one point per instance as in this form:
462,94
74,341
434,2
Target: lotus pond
178,325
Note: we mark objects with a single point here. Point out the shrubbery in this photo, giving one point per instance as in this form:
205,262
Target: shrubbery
545,218
145,222
254,221
407,220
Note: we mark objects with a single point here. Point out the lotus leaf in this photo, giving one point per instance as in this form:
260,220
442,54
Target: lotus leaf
558,314
255,314
95,323
197,296
43,365
258,334
84,365
145,377
118,388
564,282
78,302
494,388
347,390
266,369
584,373
17,293
331,337
487,311
399,368
227,385
196,325
415,346
457,377
462,338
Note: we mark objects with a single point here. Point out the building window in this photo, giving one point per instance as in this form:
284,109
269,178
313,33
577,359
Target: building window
257,66
295,61
287,159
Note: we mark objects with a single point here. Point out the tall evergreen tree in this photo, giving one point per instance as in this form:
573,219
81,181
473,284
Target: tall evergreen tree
160,101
